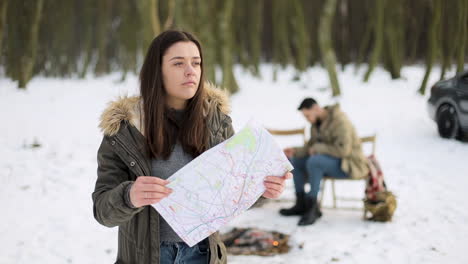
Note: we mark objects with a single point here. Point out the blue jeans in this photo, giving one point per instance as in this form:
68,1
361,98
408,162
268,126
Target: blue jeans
179,253
314,168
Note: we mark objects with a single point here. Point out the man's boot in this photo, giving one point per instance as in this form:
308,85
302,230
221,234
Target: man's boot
312,212
297,209
318,211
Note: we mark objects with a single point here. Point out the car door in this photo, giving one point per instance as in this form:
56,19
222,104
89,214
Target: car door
462,99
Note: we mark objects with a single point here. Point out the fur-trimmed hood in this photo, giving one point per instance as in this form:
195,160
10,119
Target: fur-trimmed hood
129,109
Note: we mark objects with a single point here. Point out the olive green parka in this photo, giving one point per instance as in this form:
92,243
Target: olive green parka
121,160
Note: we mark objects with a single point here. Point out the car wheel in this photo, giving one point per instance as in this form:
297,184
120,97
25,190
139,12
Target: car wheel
447,122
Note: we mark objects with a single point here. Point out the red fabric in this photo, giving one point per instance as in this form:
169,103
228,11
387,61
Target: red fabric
375,182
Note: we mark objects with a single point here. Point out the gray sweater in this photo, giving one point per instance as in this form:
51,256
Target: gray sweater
164,169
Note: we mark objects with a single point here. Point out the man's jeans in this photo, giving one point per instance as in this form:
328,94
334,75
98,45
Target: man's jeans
179,252
314,168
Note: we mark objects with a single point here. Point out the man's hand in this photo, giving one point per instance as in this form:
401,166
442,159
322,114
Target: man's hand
275,185
312,151
148,190
289,152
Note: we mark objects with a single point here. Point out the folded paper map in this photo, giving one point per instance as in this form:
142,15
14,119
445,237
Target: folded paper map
221,183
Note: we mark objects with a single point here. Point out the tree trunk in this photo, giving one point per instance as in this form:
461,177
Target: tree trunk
378,35
300,38
154,17
3,14
146,29
365,41
208,40
128,47
312,9
185,15
280,33
394,35
450,35
226,32
325,43
434,32
102,35
463,13
87,51
343,33
170,14
29,57
414,12
254,37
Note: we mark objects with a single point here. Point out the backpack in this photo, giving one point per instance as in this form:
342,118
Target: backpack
380,202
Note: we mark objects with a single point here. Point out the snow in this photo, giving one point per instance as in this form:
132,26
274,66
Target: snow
46,191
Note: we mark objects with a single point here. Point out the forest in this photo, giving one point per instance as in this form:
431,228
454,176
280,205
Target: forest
76,38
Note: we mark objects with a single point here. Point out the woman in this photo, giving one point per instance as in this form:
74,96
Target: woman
147,139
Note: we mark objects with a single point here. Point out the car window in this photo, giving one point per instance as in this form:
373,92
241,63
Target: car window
464,78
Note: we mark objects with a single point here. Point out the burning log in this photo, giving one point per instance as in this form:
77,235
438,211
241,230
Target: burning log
253,241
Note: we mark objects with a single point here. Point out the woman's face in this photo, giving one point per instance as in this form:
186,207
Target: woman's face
181,70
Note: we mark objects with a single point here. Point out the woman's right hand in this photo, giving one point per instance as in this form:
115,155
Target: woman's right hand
148,190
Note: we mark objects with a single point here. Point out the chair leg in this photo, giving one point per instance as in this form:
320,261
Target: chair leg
364,206
333,192
322,189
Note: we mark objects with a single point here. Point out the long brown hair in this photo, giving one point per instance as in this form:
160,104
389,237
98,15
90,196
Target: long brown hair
162,134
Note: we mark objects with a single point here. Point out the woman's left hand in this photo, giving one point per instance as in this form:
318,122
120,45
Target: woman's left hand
275,185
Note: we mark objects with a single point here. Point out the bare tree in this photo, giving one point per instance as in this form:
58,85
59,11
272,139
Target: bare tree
170,15
29,56
102,37
433,39
325,43
378,30
209,39
154,17
226,33
108,35
463,21
300,39
3,14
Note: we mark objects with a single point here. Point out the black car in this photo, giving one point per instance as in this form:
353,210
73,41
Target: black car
448,106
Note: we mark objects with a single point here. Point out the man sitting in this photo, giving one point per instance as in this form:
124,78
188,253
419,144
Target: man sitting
334,150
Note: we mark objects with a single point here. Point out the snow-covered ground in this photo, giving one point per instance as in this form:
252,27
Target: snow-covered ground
46,191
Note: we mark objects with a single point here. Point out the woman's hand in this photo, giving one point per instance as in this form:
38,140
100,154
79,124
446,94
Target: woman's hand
148,190
275,185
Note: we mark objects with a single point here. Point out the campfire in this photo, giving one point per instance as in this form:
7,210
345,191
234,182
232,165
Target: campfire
253,241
